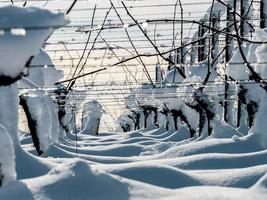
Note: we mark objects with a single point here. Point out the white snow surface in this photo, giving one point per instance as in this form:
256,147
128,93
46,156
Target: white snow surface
9,105
42,70
92,112
155,164
12,43
38,106
7,157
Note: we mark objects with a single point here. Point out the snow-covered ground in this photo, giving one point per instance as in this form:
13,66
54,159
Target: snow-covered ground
145,165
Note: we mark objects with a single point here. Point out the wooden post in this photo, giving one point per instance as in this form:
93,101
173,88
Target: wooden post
262,15
242,21
32,123
201,43
226,60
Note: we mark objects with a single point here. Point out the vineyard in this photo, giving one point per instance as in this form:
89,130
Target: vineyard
140,99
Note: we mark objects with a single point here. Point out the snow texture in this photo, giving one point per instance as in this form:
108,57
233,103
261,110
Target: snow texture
25,20
150,163
7,158
92,112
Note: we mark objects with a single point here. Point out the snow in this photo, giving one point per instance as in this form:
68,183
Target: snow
70,175
149,163
223,130
39,110
125,122
92,112
40,104
22,40
12,44
235,69
260,126
260,52
257,94
43,72
10,113
198,169
7,158
261,184
173,76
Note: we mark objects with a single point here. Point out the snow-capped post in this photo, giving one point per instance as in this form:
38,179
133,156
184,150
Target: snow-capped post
24,43
162,117
159,73
193,52
32,123
136,115
92,112
227,56
245,13
147,116
37,104
178,57
150,116
61,100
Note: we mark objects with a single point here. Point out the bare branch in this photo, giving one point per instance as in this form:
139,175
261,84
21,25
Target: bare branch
155,47
72,5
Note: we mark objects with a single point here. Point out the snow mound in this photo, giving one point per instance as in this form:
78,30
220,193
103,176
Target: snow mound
180,135
157,174
262,183
223,130
211,193
260,125
157,148
134,134
222,145
67,177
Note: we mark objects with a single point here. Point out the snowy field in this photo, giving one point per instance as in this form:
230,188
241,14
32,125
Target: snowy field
194,146
156,164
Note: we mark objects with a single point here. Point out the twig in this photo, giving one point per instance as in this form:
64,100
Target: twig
72,5
155,47
113,52
92,47
254,76
156,54
80,76
86,44
128,35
